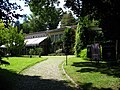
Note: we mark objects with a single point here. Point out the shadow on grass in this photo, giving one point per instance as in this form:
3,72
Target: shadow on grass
12,81
104,68
89,86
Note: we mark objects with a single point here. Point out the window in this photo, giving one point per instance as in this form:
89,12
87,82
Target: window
52,37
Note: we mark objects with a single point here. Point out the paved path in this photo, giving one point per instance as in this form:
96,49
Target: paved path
43,76
47,69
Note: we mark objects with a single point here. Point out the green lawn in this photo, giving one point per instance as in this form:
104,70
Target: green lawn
90,76
17,64
9,74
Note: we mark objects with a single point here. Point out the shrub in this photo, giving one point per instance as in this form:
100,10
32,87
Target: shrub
83,53
38,51
31,52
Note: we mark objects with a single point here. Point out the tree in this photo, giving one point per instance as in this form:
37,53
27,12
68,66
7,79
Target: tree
36,24
67,20
17,24
25,27
14,41
69,40
78,41
7,11
3,32
104,10
46,14
84,34
75,6
31,52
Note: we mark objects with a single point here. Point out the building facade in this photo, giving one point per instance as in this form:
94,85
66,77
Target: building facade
40,39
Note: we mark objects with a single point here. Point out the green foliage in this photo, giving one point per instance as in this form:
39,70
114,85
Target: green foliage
3,32
78,41
69,40
38,51
104,10
67,20
15,41
35,24
83,53
25,26
84,34
46,15
31,51
11,38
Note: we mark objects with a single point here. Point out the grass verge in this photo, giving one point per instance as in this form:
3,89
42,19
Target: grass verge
17,64
90,76
9,74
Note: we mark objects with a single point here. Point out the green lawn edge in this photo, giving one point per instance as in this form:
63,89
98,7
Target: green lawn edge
16,69
31,65
71,70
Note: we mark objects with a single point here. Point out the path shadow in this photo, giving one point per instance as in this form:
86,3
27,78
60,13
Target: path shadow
89,86
12,81
101,67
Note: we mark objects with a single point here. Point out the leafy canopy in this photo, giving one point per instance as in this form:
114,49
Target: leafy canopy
107,11
67,20
45,13
15,41
84,34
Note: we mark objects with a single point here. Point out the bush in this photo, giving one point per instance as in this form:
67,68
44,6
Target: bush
38,51
31,52
83,53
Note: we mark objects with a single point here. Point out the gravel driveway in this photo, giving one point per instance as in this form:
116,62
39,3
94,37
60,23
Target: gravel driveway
43,76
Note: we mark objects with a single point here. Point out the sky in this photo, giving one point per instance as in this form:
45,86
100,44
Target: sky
27,11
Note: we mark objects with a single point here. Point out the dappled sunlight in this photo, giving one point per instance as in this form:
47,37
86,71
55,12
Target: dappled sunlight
101,67
93,76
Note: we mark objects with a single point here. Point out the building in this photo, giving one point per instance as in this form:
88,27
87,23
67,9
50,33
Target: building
40,39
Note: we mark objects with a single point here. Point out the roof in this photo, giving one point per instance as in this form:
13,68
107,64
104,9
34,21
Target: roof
34,41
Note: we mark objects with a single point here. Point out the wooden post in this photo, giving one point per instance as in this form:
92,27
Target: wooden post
116,49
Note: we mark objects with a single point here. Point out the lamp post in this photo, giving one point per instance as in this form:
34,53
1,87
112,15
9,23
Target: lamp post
66,56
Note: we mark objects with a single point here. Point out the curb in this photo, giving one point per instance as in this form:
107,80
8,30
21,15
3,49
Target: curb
76,85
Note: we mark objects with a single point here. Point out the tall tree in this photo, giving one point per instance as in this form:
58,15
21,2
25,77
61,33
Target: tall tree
3,32
69,40
25,26
84,34
15,41
7,13
75,6
67,20
36,24
104,10
46,12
